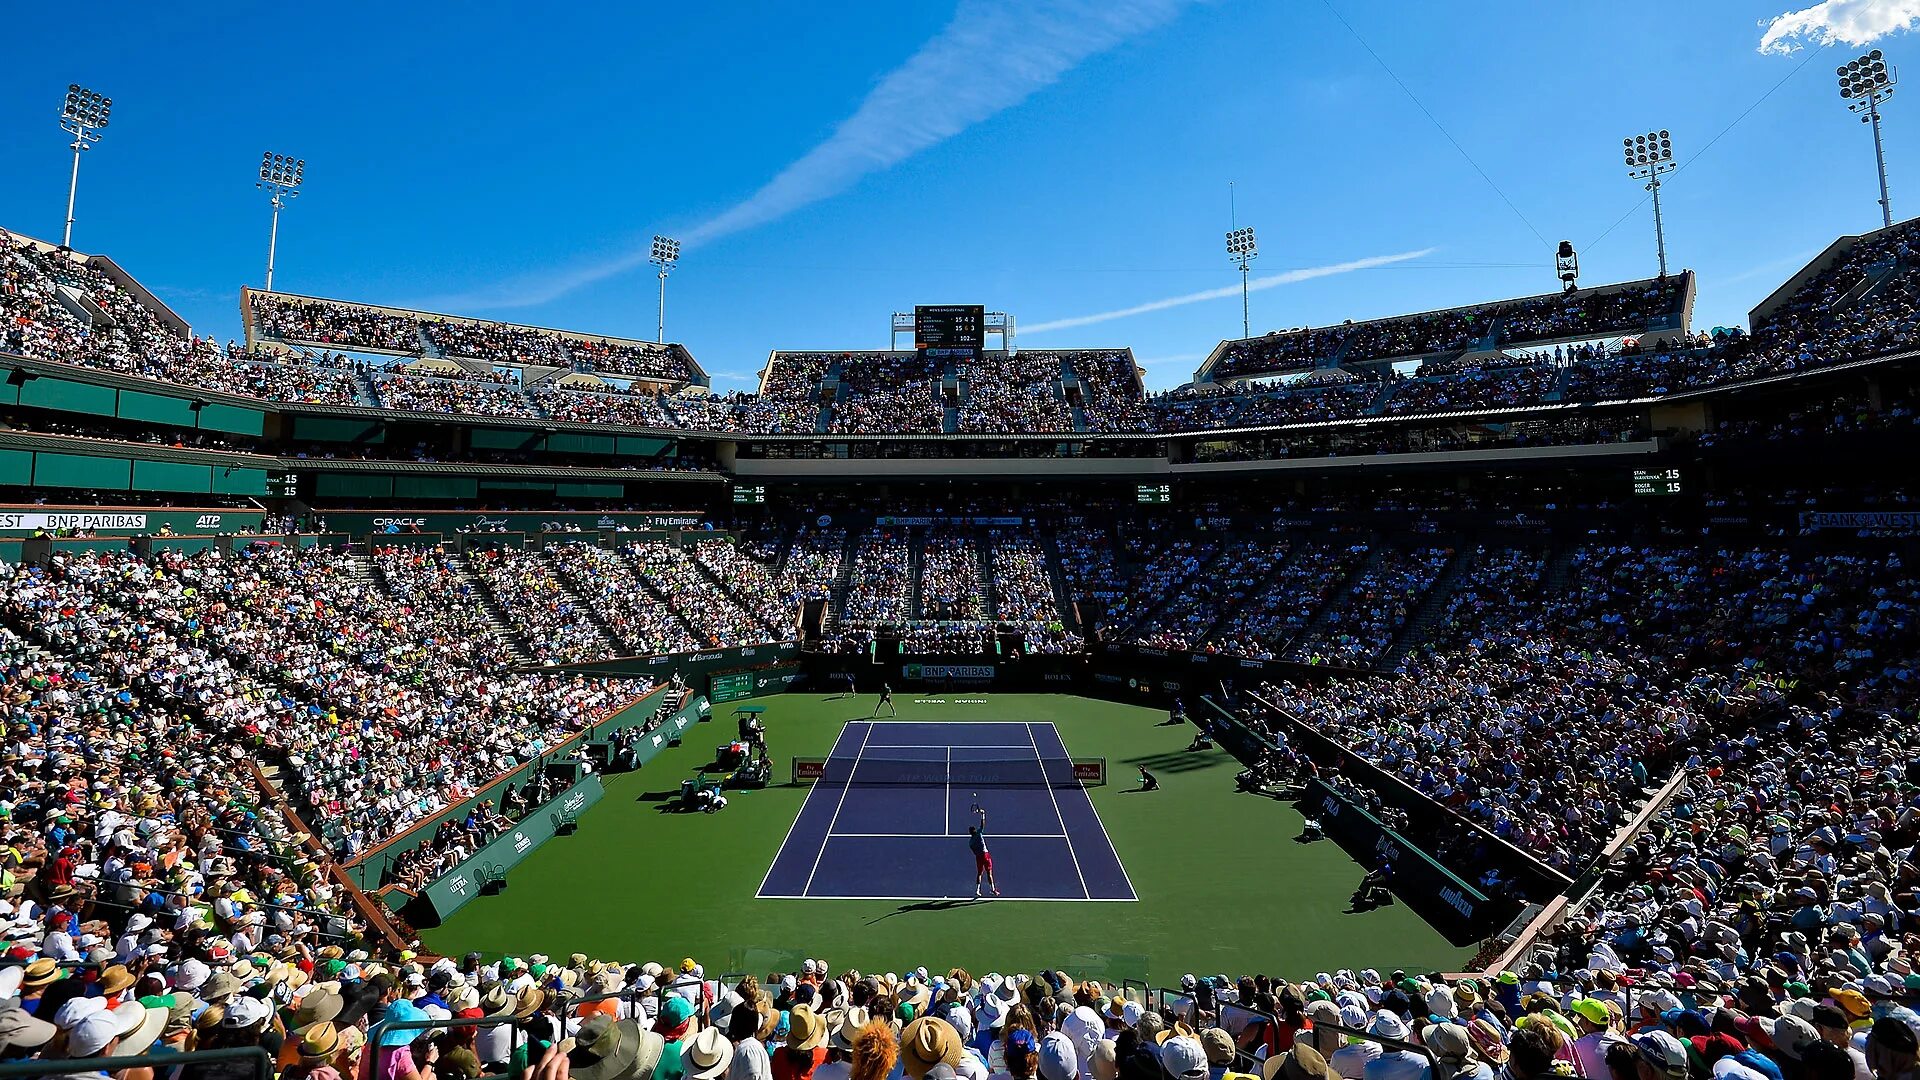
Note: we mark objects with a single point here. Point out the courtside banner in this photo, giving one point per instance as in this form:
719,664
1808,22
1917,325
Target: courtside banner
374,522
1458,910
126,521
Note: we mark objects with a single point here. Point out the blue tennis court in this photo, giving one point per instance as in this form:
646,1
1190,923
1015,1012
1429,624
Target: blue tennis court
888,818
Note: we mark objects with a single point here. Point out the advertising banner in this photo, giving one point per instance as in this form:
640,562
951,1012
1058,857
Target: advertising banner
452,890
124,521
1458,910
366,522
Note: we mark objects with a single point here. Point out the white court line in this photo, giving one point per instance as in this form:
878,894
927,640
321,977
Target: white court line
1086,893
796,819
984,899
946,804
947,746
1118,861
841,805
951,835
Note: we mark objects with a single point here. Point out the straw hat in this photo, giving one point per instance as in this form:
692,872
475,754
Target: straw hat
805,1028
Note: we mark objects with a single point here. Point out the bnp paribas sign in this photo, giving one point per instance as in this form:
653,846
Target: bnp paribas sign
108,521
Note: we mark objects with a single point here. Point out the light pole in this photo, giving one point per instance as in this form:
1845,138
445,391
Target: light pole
1864,84
83,116
666,252
281,176
1242,250
1649,157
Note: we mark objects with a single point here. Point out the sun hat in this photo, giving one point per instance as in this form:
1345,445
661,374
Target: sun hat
707,1054
929,1042
806,1030
1218,1045
400,1012
21,1030
1447,1040
152,1021
1388,1025
1487,1041
850,1021
320,1042
1592,1010
101,1026
1302,1062
1183,1058
1058,1058
1665,1053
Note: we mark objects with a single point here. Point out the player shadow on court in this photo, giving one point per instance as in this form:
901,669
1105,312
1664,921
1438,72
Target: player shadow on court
932,905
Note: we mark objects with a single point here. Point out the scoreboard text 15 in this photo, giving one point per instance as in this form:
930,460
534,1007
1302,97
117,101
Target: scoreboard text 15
745,495
1153,493
1656,481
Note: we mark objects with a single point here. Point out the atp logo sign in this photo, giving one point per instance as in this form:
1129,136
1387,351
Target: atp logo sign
208,521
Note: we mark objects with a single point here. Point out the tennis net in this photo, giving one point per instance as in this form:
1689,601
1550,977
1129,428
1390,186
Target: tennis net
882,769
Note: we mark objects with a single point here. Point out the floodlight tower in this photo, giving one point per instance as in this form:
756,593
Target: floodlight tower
281,176
1649,157
666,252
1864,84
83,116
1242,249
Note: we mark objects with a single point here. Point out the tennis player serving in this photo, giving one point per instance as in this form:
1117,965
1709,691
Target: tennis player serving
982,858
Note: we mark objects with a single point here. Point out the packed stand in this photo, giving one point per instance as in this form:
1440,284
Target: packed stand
1111,392
752,585
417,394
949,575
1356,629
1019,393
1183,621
1270,618
341,326
716,617
547,615
889,392
611,585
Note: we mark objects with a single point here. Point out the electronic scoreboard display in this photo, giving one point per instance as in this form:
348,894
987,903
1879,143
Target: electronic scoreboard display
1656,481
749,495
1153,493
944,328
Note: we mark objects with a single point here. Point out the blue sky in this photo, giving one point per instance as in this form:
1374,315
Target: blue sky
829,164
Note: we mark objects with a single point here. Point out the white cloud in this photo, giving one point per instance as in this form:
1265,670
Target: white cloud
1307,273
993,55
1846,22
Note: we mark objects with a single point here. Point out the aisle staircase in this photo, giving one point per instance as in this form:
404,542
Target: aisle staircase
1431,609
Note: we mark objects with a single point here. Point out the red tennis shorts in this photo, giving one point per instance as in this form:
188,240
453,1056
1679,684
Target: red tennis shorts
982,863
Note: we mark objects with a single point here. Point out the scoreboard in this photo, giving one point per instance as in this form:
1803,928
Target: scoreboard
1656,481
1153,493
945,328
733,687
749,495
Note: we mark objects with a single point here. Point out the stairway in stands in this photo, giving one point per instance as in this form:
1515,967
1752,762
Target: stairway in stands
1559,576
916,573
1057,578
983,577
488,604
837,600
1432,608
1336,599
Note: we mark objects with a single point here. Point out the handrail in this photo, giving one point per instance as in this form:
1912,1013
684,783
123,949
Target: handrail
49,1068
1556,912
480,789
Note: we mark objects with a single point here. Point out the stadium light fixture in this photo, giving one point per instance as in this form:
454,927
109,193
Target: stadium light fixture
281,176
1865,82
666,252
1650,157
83,116
1243,249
